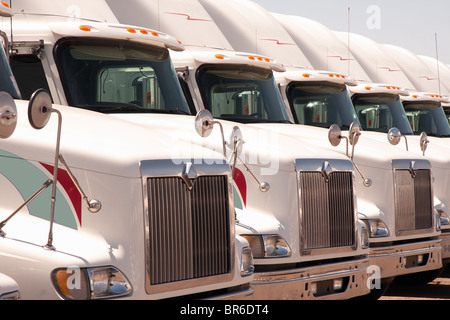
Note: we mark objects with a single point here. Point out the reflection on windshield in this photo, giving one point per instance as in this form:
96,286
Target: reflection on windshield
241,93
119,77
380,112
7,81
427,117
321,104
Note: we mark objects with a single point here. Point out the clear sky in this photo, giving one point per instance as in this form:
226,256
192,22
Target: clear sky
409,24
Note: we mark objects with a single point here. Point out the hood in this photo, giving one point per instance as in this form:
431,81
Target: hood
368,152
265,149
96,142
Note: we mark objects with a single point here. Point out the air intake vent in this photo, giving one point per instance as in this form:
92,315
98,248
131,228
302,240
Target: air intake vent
327,210
413,201
189,231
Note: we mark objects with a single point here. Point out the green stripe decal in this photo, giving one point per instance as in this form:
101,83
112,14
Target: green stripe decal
27,179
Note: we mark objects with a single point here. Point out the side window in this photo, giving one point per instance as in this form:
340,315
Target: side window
29,74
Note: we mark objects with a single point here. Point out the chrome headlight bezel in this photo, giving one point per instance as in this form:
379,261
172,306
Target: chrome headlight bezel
74,283
266,246
247,265
365,237
377,228
443,217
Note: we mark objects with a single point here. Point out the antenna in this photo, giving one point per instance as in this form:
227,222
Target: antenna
437,62
348,42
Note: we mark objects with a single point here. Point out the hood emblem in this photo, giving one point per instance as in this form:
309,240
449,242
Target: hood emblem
189,175
326,171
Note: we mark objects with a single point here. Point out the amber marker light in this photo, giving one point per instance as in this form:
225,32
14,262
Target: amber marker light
85,28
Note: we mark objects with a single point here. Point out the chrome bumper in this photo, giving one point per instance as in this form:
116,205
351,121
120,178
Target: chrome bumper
336,281
408,258
246,294
445,237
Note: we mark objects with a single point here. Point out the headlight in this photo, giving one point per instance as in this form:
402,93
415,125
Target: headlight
247,267
268,246
443,218
377,228
90,283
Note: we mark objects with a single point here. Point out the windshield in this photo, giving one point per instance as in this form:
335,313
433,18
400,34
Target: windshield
447,113
428,117
321,104
7,81
381,112
241,93
119,77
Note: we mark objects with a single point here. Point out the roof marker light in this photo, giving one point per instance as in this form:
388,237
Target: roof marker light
259,58
251,57
5,4
143,31
131,30
154,34
267,59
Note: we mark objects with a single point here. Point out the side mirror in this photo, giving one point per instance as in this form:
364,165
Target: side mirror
354,133
394,136
204,123
335,136
423,140
39,109
8,115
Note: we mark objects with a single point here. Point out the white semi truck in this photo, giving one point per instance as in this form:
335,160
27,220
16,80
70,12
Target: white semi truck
97,207
319,99
319,254
379,108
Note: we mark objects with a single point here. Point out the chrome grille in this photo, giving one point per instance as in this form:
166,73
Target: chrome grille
413,200
189,231
327,210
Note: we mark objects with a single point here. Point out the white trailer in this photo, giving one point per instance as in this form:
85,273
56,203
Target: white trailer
98,207
405,247
442,71
310,260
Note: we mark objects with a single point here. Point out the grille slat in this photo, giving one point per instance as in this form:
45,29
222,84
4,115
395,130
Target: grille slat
413,203
188,230
327,208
